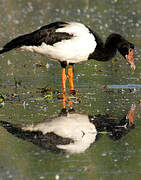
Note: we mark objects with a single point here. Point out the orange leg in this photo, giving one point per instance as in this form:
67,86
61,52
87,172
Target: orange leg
70,76
64,78
64,101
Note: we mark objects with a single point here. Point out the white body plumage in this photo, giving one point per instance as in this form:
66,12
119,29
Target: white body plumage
73,50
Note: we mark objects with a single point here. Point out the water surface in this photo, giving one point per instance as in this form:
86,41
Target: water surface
21,80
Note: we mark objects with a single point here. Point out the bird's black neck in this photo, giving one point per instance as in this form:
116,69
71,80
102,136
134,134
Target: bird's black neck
107,51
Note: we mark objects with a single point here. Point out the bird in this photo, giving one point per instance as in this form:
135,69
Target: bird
71,131
70,43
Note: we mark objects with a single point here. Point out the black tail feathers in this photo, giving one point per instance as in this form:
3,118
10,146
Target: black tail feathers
10,45
26,40
15,43
2,51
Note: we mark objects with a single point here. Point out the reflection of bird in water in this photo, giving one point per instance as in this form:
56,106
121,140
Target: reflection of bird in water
72,132
71,43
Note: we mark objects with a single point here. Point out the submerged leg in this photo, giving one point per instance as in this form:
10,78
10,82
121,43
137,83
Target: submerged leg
70,76
64,101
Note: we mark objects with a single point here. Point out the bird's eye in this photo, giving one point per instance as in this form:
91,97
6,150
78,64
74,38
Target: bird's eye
125,50
131,46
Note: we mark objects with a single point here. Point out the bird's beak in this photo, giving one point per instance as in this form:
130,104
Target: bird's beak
130,59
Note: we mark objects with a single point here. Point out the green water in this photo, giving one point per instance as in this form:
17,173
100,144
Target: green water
105,159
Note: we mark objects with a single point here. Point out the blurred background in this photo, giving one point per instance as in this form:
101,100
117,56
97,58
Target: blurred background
24,75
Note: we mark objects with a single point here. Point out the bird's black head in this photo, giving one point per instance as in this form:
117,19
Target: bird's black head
126,49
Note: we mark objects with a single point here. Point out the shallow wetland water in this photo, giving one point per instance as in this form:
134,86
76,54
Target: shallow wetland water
22,75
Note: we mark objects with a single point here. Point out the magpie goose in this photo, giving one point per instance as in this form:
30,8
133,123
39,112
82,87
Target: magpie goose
70,43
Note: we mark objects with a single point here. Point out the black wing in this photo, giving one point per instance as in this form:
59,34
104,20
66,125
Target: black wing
46,34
